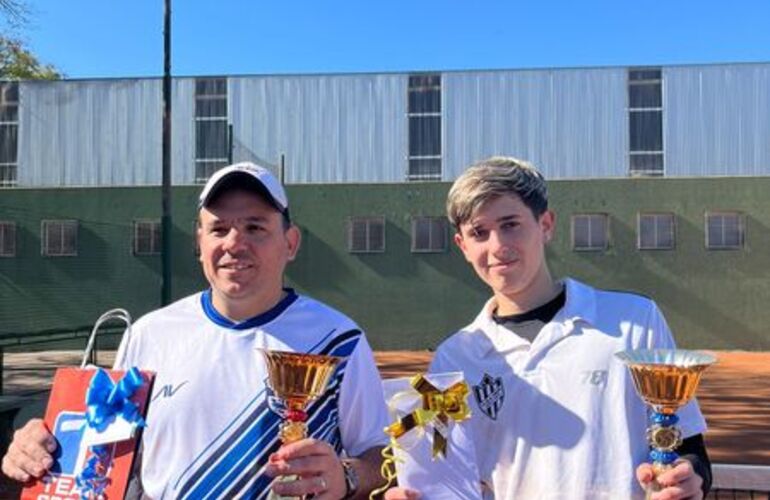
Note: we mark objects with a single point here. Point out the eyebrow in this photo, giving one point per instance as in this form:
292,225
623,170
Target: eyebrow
504,218
252,218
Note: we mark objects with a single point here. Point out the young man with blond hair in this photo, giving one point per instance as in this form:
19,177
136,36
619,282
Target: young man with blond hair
554,414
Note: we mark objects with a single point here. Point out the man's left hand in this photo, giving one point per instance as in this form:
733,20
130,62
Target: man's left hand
678,483
317,466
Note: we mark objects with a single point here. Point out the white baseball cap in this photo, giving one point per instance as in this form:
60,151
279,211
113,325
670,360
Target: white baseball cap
247,176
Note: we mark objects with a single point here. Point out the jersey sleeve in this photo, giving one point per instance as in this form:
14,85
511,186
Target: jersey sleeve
659,336
363,414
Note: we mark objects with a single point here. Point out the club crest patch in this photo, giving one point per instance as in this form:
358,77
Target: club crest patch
490,394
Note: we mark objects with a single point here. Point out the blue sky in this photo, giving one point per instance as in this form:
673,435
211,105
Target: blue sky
114,38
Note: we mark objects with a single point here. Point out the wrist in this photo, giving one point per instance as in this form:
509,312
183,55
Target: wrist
351,478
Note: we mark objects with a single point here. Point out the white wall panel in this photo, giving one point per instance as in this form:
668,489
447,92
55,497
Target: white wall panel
90,133
717,120
571,123
331,128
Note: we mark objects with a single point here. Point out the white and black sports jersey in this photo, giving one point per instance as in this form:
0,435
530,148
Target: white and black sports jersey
558,417
209,429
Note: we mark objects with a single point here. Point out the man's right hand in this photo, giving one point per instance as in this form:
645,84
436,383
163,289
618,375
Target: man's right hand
401,494
29,455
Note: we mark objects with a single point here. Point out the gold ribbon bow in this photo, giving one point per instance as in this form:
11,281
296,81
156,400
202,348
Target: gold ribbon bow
438,407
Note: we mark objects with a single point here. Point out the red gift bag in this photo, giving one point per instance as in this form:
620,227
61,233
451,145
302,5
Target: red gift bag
65,419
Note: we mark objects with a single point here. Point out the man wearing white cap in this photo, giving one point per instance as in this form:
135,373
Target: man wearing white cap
210,431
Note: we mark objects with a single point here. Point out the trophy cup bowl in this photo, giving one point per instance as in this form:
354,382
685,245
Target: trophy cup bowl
666,379
296,379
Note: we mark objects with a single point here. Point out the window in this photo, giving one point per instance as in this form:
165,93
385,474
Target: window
212,134
59,238
366,234
590,232
429,234
724,230
645,122
147,237
655,231
9,129
424,115
7,239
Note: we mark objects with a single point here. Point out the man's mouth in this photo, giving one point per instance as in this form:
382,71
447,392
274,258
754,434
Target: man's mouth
236,266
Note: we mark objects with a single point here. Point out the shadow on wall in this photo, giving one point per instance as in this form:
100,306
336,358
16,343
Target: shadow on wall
318,266
672,292
241,152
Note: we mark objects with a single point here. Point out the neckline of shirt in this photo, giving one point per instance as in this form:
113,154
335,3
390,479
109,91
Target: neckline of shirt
255,321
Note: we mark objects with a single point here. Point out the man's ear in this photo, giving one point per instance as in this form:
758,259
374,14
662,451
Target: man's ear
198,230
460,242
548,225
293,241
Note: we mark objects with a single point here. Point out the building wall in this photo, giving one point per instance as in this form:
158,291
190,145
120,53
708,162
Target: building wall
712,299
572,123
89,133
717,120
336,128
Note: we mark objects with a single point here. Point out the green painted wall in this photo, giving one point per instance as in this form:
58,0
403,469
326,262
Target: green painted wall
712,299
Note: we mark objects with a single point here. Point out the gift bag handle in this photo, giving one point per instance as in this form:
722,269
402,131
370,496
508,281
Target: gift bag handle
120,314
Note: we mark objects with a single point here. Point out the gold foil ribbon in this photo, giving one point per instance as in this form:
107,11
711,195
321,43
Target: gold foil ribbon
387,469
438,407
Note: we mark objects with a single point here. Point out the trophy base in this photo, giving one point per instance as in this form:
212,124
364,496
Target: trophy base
283,479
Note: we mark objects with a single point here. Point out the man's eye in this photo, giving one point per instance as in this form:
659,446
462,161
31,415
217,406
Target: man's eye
254,228
510,225
479,233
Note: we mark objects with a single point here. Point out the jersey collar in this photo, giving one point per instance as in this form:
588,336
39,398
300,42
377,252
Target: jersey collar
255,321
580,305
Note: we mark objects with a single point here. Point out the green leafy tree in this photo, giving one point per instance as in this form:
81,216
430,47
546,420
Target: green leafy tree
18,63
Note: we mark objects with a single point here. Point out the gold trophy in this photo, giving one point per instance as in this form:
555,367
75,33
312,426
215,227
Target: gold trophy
665,379
296,380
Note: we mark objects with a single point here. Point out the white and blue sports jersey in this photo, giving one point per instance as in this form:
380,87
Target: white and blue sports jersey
209,429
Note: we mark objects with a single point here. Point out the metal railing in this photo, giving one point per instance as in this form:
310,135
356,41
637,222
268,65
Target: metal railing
42,337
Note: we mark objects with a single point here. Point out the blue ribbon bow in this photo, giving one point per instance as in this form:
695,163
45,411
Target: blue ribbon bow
106,400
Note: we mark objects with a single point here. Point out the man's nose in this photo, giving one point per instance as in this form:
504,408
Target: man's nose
497,240
498,244
234,239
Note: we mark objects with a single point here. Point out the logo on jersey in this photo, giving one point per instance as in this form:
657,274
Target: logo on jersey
490,394
168,390
596,378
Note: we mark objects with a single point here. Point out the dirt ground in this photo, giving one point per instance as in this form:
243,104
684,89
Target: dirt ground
734,395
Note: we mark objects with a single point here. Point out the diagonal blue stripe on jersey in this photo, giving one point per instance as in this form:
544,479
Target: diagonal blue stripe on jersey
246,445
263,429
232,436
320,413
245,471
333,347
318,428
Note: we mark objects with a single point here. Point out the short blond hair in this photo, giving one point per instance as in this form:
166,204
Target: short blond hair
491,178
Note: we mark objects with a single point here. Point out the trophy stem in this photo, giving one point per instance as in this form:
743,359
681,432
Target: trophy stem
293,428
